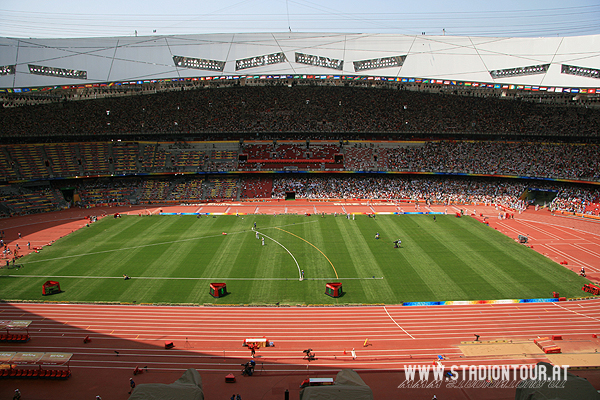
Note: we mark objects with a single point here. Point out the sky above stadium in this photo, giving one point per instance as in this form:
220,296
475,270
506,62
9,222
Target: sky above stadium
508,18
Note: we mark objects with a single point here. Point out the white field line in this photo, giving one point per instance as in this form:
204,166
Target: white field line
398,325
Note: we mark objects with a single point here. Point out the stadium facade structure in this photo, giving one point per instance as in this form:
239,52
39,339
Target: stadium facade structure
540,65
547,62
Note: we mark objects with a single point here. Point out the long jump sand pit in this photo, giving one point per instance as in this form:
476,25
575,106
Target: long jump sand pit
500,349
575,359
575,353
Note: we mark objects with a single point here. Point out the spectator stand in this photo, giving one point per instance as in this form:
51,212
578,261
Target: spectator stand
23,365
125,157
290,155
62,159
188,190
155,190
95,158
7,166
256,187
29,160
189,159
221,188
17,331
92,159
25,201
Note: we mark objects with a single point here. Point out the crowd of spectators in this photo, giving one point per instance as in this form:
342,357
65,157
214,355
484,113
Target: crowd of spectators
577,200
248,111
531,159
256,188
289,151
310,112
541,160
429,189
439,190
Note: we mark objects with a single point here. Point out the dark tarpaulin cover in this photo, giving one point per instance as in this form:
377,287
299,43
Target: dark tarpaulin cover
575,388
348,386
188,387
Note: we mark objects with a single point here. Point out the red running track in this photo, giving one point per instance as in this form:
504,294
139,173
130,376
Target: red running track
210,340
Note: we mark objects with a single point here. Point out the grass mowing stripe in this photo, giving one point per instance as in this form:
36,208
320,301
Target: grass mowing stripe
420,252
402,277
224,258
364,261
318,236
319,250
455,253
173,258
481,249
269,263
110,264
533,270
131,262
204,252
285,248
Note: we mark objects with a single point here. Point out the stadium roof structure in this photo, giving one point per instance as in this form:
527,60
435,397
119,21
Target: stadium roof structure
548,61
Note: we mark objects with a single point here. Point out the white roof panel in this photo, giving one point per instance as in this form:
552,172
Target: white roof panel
440,57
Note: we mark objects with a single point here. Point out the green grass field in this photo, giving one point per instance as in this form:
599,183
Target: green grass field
173,259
